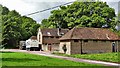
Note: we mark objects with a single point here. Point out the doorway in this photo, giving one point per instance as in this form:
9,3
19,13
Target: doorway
49,47
40,47
113,47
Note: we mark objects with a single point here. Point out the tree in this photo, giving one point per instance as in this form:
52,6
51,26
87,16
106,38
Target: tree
11,27
28,27
16,27
81,14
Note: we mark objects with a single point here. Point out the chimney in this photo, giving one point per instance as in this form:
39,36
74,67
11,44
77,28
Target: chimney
58,31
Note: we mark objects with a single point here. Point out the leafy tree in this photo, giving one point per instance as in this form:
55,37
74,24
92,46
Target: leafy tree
10,28
81,14
28,27
16,27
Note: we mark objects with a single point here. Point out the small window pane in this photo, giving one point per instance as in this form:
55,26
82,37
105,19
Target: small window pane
52,37
85,40
76,41
57,37
95,41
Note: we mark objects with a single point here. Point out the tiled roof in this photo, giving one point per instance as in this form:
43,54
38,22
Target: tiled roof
90,33
53,31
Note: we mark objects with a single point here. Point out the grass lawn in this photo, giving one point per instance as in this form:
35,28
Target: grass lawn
108,57
24,59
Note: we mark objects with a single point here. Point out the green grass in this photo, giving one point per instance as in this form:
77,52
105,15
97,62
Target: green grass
24,59
108,57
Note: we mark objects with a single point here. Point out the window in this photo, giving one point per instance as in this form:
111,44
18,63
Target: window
85,40
34,40
95,41
103,40
76,41
46,37
48,33
57,37
45,43
62,33
51,37
49,44
113,41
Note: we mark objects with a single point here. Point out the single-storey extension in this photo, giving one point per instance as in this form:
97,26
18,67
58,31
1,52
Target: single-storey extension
89,40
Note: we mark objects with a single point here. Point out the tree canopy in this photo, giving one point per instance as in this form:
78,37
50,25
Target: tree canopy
81,14
16,27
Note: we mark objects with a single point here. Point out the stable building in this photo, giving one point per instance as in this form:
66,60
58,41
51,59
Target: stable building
89,40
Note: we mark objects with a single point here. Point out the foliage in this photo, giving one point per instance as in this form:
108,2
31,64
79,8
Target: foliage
109,57
81,14
24,59
117,26
16,27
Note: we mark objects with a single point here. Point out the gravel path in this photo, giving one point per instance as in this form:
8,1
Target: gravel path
62,57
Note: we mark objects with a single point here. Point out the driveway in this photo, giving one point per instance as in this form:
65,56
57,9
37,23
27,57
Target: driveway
62,57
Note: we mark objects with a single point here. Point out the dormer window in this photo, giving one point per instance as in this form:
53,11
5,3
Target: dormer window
48,33
62,33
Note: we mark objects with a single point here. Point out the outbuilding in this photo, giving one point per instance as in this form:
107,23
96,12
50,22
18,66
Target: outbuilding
89,40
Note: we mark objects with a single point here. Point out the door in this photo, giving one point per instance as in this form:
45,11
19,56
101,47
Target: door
113,47
49,47
40,47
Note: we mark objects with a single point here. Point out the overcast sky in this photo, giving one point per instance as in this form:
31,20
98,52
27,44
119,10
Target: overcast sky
29,6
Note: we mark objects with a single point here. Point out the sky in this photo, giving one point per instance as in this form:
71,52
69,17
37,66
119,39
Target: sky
25,7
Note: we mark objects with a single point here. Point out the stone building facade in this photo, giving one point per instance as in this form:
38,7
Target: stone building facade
89,40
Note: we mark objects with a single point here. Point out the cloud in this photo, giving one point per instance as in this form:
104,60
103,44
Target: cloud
34,1
41,6
110,0
25,7
18,5
29,6
114,5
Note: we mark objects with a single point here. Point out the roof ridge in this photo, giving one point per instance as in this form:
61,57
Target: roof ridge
72,31
53,28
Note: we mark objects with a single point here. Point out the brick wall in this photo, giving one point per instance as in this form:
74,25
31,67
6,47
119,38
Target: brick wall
75,47
55,47
96,46
88,46
119,46
50,40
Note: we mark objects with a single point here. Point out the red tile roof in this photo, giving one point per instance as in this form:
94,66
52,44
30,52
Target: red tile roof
90,33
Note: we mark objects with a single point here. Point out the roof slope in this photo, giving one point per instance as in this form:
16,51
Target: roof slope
53,31
90,33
